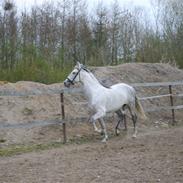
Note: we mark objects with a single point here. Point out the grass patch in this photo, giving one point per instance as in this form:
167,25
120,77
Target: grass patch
27,111
20,149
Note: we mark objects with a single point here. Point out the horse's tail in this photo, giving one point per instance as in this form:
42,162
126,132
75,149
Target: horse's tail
139,108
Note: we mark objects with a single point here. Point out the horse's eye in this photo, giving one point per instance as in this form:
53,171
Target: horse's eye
74,73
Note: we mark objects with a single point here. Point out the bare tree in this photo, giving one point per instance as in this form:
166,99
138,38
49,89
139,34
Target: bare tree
101,30
8,36
127,35
114,30
73,27
85,39
63,15
173,29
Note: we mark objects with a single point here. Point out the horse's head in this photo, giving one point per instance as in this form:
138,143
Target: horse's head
74,76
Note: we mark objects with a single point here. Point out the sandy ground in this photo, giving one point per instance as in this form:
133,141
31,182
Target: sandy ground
156,156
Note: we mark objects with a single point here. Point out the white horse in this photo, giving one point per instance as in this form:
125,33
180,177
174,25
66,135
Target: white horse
103,100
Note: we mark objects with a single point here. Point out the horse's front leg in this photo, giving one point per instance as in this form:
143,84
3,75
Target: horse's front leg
99,115
96,128
104,130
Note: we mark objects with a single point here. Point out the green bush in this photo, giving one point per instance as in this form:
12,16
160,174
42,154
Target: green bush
38,71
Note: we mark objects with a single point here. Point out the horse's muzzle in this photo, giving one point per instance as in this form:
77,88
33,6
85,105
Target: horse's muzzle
67,83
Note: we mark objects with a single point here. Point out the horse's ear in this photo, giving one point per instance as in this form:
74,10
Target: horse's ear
78,64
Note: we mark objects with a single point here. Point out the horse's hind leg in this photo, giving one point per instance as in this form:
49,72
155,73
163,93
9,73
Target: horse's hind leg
122,118
117,128
134,119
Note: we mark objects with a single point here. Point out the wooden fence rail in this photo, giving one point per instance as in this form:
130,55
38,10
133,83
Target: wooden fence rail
62,91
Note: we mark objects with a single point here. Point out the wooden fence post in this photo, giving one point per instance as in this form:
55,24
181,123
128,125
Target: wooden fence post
172,104
63,117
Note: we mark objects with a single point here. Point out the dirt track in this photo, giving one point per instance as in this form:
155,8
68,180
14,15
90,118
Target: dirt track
156,156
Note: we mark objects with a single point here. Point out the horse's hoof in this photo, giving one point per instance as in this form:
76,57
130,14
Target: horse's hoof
117,132
98,131
104,141
134,136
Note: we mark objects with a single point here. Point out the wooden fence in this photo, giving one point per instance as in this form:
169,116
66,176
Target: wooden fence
170,94
61,92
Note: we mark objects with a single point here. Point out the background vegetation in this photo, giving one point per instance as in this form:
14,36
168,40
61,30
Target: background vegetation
43,43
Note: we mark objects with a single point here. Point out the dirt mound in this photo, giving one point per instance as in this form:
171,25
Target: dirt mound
139,73
24,109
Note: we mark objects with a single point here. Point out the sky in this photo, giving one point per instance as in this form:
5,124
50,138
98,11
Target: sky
21,4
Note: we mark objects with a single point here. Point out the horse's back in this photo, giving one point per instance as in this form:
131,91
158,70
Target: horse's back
127,91
114,98
124,87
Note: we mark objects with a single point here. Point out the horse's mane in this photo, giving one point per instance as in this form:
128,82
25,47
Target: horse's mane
94,78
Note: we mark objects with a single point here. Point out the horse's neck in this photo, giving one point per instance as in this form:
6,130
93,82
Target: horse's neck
90,84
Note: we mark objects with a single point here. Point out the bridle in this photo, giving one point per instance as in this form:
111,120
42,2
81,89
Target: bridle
78,73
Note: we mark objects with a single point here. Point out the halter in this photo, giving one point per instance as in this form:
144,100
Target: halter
78,73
